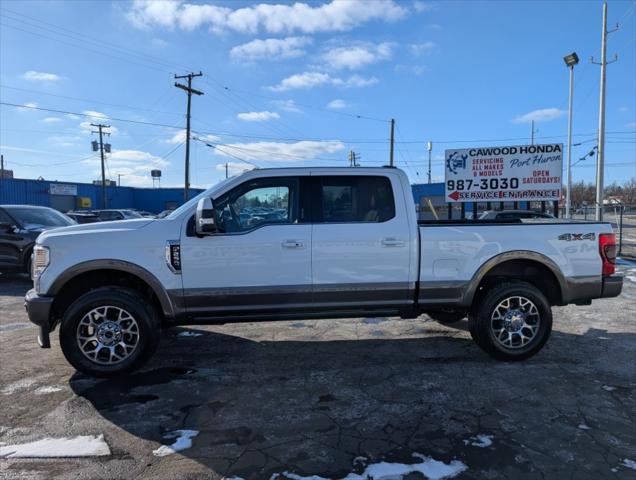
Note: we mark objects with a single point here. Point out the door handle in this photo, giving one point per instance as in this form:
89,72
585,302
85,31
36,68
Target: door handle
293,244
392,242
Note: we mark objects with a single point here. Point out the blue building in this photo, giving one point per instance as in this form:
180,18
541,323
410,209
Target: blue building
65,196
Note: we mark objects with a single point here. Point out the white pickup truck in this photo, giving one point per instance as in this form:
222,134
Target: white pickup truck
277,244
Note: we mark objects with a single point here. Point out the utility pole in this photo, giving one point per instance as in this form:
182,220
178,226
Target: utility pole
429,147
119,179
353,159
570,60
100,128
189,90
226,170
392,141
600,159
532,134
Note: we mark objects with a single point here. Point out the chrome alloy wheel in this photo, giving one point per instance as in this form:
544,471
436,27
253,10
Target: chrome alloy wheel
515,322
107,335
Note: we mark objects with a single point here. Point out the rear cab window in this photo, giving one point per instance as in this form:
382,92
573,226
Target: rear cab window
354,199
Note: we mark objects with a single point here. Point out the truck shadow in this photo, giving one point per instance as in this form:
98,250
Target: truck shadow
312,407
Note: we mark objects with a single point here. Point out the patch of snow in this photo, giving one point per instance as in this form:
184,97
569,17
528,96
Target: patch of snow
374,320
360,460
82,446
432,469
608,388
293,476
631,278
629,463
44,390
481,441
189,334
582,426
22,384
183,441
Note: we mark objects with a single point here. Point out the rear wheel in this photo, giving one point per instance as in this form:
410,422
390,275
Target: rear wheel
513,321
109,331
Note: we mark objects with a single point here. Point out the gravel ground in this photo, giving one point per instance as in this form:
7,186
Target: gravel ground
292,399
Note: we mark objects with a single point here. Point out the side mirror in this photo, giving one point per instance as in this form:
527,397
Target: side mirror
204,219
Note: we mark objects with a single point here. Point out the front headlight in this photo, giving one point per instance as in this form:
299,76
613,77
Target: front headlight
41,260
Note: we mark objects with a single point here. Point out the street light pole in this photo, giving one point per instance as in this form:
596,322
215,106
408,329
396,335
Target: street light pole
570,60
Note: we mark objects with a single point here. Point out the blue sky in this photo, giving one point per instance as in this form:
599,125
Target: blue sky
302,84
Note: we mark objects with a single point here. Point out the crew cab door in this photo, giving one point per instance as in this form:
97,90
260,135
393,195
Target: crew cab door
260,259
362,242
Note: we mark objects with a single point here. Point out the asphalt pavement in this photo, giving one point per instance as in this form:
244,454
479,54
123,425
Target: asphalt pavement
355,398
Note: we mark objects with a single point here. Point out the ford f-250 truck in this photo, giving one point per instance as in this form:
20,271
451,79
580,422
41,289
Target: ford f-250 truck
276,244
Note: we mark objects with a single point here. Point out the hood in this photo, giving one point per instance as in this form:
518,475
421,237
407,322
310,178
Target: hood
97,227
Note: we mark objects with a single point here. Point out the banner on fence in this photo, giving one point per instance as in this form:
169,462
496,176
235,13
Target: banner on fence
498,174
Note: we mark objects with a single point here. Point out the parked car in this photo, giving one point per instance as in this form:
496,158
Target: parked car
111,214
345,243
144,213
512,214
20,225
83,217
165,213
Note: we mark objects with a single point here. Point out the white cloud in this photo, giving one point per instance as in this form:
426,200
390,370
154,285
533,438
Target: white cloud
28,107
34,76
97,115
270,49
357,56
64,140
337,104
315,79
51,119
541,115
257,116
133,165
180,137
272,18
631,125
234,168
281,152
287,106
623,109
72,116
419,49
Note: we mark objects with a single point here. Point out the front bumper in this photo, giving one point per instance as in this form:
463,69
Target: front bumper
39,311
612,286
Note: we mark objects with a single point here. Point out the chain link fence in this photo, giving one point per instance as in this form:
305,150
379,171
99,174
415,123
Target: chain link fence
623,220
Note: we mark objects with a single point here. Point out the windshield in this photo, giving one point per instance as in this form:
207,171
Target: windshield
40,216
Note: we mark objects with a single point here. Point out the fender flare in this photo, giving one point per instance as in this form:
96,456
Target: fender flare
500,258
110,264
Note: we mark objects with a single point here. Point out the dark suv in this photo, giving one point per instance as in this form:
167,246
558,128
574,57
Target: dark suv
20,225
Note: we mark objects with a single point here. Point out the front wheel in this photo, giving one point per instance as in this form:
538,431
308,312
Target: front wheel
513,321
109,331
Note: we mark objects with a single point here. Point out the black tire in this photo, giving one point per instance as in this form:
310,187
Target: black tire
446,317
139,308
482,326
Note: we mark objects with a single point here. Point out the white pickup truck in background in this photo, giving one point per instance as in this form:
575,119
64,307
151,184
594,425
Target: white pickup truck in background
277,244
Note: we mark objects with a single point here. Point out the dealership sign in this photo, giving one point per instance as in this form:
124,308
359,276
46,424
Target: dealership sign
498,174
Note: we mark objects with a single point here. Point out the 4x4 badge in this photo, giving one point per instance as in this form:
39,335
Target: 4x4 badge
569,237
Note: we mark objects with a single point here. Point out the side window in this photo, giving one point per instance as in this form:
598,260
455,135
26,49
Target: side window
257,203
356,199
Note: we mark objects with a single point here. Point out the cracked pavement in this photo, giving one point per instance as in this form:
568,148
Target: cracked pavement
326,397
